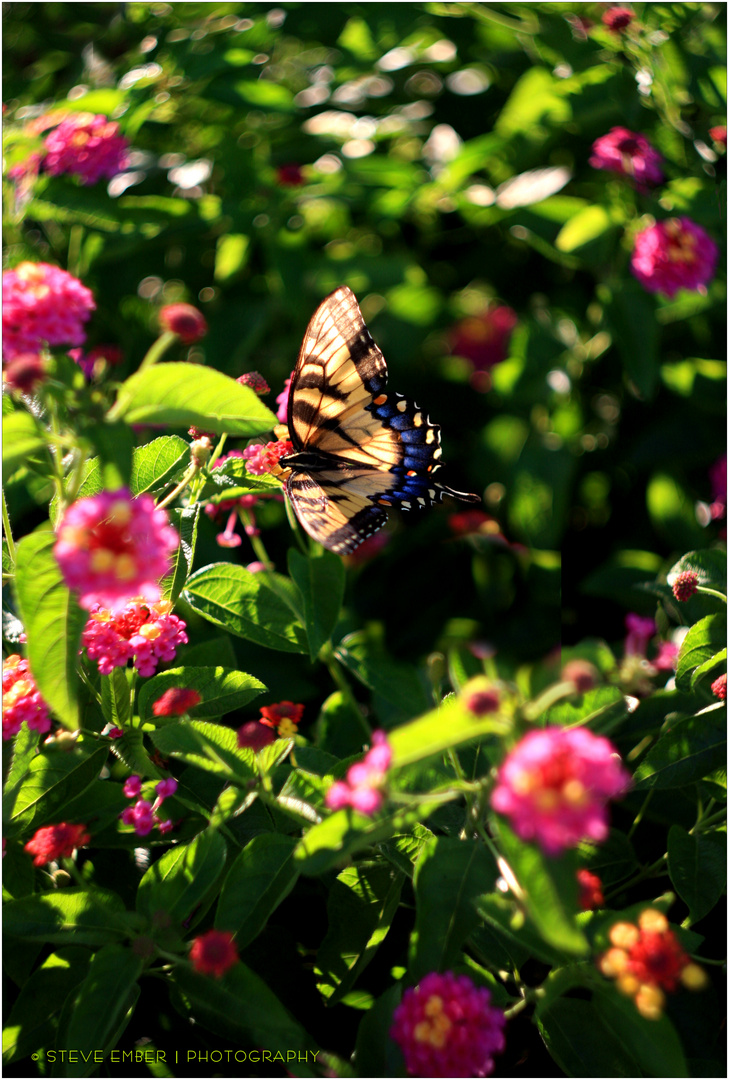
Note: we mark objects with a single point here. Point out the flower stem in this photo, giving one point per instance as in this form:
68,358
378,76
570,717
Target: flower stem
711,592
157,349
191,472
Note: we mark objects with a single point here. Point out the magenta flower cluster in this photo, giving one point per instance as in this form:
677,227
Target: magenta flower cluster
640,629
43,305
146,634
446,1026
86,146
555,784
112,549
362,789
672,255
22,702
630,154
143,814
283,401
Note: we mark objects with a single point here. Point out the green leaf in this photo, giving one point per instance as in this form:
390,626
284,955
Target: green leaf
548,890
114,445
400,684
697,868
116,698
261,877
53,622
231,255
178,882
249,605
100,1004
361,906
450,875
53,779
320,580
222,691
705,638
590,235
186,395
671,510
448,726
24,749
157,463
692,749
185,522
608,1037
208,746
376,1054
69,916
613,861
241,1007
31,1023
630,313
22,439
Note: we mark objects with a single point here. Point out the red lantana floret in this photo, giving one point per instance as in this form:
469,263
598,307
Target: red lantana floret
54,842
630,154
718,134
591,895
484,339
256,382
617,19
672,255
43,305
184,320
214,953
176,701
685,585
144,633
718,687
264,459
113,548
555,784
284,716
22,702
447,1026
24,372
255,735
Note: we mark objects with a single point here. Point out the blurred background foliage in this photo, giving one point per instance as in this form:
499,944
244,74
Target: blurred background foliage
433,157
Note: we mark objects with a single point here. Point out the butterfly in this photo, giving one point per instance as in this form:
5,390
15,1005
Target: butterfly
357,449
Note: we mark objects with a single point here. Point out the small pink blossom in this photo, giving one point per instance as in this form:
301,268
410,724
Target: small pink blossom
140,816
629,154
214,953
255,735
43,304
283,401
144,633
667,656
132,786
96,359
672,255
484,340
717,479
112,548
164,789
86,146
685,585
22,702
362,789
555,784
264,459
447,1026
718,134
640,631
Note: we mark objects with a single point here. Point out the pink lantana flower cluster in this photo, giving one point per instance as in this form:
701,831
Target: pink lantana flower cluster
264,459
362,789
95,359
672,255
86,146
629,154
144,633
283,401
42,304
447,1026
555,784
143,814
484,339
112,548
22,702
213,953
232,507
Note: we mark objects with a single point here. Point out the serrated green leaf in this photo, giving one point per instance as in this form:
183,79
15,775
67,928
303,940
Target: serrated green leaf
186,395
261,877
398,683
22,439
248,605
320,580
186,522
692,749
361,906
70,916
179,881
114,446
100,1004
53,779
448,726
705,638
157,463
116,698
208,746
697,868
222,691
450,875
53,622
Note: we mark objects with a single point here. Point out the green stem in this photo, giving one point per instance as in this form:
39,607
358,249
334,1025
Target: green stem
326,655
256,542
73,258
551,695
157,349
191,472
711,592
56,456
654,870
8,532
639,816
710,821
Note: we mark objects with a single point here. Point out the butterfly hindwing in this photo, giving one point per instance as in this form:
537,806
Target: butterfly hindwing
339,518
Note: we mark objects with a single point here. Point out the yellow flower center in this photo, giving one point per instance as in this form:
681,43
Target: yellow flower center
287,728
19,690
102,560
120,513
126,567
435,1029
150,631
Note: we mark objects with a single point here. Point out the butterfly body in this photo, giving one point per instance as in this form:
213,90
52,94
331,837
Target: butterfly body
357,447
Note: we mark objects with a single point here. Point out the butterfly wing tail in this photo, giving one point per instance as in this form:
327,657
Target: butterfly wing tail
464,496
